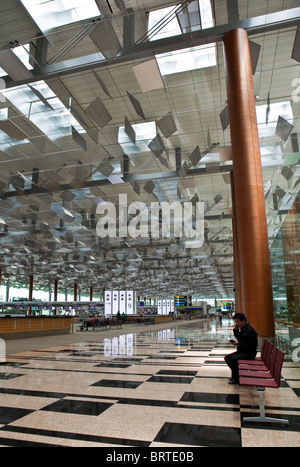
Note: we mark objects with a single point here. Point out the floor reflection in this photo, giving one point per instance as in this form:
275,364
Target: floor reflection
161,388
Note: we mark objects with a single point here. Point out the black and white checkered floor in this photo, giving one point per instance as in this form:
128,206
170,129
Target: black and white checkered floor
145,388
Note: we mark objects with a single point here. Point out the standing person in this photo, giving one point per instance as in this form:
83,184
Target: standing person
246,345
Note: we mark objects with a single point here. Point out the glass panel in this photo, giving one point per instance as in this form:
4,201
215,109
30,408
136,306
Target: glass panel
187,59
49,15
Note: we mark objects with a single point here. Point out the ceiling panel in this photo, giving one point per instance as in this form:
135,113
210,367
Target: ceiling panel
56,219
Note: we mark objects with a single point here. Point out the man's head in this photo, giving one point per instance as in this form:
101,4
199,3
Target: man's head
240,320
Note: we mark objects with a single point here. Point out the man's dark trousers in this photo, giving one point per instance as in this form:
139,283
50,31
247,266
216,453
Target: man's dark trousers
232,361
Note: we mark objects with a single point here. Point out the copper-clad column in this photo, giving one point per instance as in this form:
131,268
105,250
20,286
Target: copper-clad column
55,294
236,259
75,292
30,293
254,255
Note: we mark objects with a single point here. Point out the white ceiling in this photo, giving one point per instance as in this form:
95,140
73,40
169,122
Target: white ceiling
36,235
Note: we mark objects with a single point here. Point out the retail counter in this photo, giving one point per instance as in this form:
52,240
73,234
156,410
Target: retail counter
34,326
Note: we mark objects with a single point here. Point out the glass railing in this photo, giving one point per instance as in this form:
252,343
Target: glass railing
287,338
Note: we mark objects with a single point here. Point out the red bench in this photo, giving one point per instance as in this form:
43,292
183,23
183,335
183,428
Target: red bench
265,372
265,355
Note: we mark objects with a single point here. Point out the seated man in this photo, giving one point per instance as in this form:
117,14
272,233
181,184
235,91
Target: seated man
246,345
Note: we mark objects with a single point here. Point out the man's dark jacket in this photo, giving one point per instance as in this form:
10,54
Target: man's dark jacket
247,340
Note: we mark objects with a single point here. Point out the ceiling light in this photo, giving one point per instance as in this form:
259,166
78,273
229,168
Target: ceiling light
13,66
282,109
144,134
23,54
188,59
56,13
54,120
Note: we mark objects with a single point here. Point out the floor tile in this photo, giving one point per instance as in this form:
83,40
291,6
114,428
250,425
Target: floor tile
117,383
78,407
199,435
168,388
170,379
10,414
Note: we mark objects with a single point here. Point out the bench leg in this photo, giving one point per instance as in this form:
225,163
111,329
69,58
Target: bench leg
262,417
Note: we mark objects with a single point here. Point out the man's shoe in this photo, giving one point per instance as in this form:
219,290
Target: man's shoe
233,381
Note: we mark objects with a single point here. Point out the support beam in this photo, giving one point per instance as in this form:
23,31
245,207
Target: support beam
253,26
129,28
232,10
35,176
178,159
126,166
41,50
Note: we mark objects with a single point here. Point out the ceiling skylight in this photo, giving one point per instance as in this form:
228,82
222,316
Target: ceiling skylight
267,121
144,132
42,107
52,14
186,59
22,52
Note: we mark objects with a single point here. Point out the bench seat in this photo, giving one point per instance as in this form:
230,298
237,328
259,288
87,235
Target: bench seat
255,375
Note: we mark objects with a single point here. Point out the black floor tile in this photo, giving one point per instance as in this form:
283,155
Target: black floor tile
162,357
9,375
149,402
63,435
10,414
170,379
114,365
13,364
293,419
29,392
75,353
112,383
297,391
127,359
199,435
78,407
211,398
19,443
177,372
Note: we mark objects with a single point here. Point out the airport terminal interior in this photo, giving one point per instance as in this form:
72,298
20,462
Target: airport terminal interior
142,203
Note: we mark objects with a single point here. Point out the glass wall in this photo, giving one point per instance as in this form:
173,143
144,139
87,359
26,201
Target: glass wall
285,259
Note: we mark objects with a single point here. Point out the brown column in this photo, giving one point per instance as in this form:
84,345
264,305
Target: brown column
254,255
75,292
30,292
91,294
55,293
236,260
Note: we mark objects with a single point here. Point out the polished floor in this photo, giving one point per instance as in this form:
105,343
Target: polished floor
142,387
